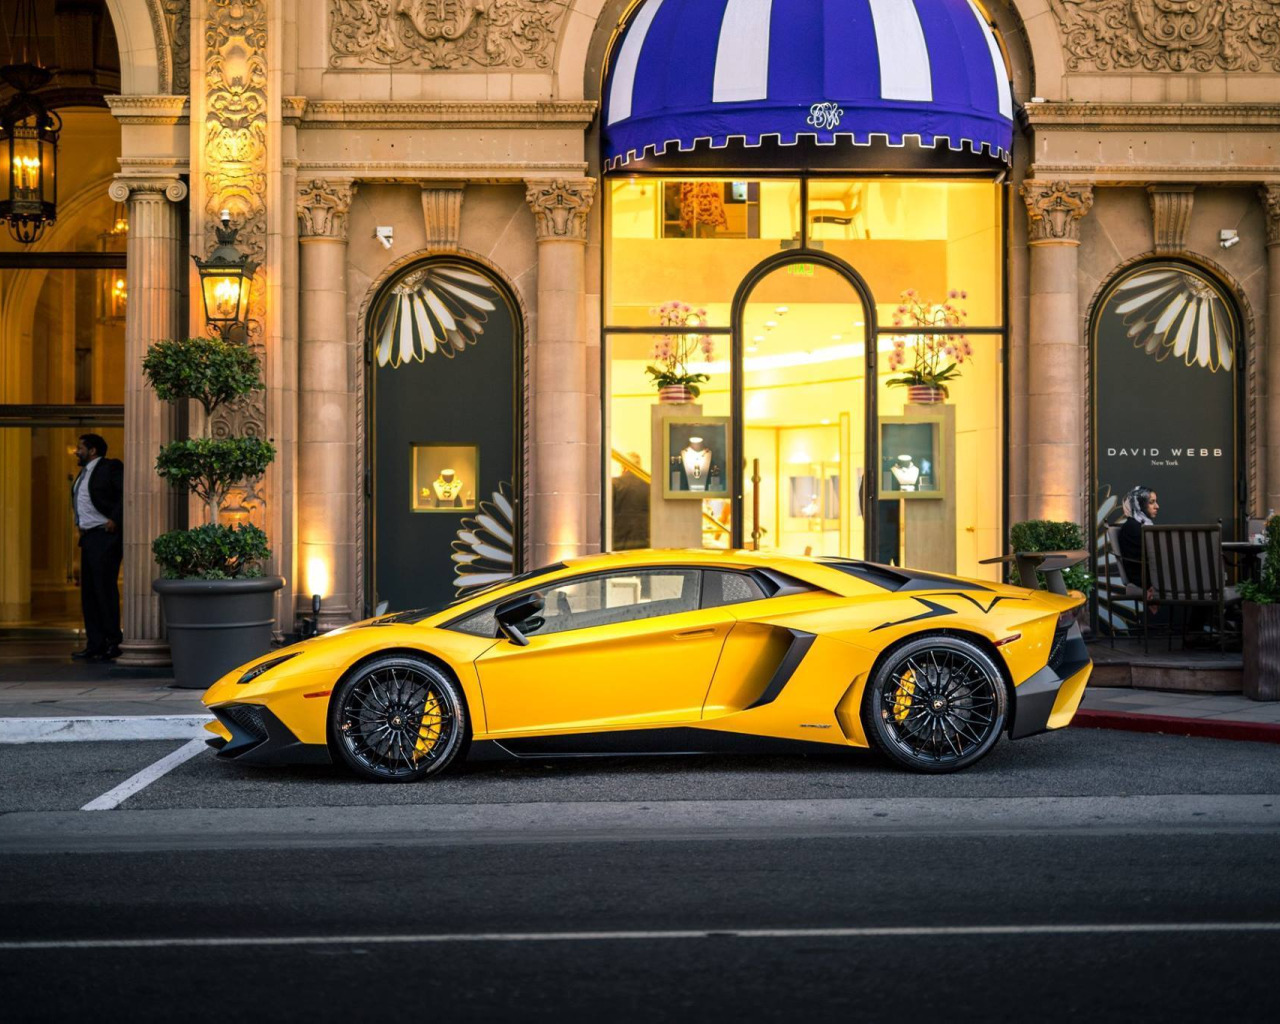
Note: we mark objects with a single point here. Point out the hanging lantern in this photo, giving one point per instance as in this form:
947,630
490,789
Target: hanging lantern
29,140
226,279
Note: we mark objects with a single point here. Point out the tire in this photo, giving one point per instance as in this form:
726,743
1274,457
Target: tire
397,719
937,704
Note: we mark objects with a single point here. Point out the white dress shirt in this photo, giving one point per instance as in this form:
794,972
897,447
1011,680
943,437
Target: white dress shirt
87,516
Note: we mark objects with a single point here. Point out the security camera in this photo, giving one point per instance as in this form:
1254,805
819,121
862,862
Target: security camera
385,235
1228,237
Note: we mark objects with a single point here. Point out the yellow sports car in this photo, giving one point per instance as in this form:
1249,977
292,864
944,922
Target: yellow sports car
669,651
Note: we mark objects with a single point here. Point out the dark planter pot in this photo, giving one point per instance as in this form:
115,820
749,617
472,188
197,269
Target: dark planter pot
215,625
1261,651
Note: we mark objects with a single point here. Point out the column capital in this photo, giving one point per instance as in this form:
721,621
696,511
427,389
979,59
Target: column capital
1270,194
560,207
322,208
125,187
1054,209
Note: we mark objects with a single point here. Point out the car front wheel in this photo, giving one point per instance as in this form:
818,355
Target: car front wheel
937,704
397,719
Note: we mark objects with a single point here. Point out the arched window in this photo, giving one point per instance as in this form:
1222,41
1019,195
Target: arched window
445,420
1166,353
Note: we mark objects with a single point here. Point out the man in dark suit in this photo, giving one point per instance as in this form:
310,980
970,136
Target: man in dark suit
97,501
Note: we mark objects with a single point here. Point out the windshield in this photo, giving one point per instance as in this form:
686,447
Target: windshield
418,614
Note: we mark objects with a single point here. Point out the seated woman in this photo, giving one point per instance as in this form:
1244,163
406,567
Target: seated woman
1141,505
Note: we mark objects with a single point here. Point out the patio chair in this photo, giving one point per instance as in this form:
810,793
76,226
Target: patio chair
1111,556
1182,567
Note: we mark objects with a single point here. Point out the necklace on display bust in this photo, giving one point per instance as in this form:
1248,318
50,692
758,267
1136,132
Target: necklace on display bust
906,472
447,486
696,459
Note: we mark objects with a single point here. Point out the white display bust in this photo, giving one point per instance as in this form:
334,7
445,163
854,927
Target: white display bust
906,472
447,487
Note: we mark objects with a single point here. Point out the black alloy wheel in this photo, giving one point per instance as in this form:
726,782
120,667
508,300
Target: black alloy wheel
936,705
397,719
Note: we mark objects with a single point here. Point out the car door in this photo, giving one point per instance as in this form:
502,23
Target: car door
628,648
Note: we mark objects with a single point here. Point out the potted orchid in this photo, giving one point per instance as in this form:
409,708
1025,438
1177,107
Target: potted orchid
676,350
935,358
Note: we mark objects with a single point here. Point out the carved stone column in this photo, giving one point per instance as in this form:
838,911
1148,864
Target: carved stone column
326,489
1056,394
1271,364
442,214
561,460
153,314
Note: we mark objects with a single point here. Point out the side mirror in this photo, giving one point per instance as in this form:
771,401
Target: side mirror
513,614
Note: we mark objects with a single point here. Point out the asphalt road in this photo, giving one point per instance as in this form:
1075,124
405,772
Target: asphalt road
1093,875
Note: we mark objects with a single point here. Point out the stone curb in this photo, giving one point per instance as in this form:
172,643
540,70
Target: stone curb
1170,725
90,729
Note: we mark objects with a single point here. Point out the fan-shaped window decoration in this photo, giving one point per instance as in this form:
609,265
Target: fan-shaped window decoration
484,552
1173,311
439,309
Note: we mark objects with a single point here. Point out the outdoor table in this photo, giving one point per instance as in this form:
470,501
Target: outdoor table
1051,563
1250,554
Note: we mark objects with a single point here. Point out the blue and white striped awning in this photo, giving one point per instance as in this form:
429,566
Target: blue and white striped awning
714,74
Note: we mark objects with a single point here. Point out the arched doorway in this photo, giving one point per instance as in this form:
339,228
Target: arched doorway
1166,352
803,383
444,351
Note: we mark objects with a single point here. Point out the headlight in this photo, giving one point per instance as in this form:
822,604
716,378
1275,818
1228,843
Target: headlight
261,667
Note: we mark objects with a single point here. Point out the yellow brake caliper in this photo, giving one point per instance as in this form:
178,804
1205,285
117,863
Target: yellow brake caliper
430,727
902,699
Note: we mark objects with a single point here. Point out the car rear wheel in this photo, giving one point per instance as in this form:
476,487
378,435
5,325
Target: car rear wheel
397,719
937,704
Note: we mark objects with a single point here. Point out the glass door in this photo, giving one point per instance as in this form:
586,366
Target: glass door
804,384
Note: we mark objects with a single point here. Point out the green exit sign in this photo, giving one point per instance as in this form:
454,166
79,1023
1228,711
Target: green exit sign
800,269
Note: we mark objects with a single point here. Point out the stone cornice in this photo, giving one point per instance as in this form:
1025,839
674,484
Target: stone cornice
1140,174
451,114
413,172
149,109
1162,117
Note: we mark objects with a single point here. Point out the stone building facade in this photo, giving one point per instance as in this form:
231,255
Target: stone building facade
1144,130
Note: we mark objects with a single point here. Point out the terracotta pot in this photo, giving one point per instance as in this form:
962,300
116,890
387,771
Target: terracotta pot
1261,651
925,394
674,394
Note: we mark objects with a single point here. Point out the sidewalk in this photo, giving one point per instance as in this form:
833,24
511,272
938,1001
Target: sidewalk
1217,715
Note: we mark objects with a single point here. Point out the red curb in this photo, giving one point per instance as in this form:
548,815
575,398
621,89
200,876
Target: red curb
1170,725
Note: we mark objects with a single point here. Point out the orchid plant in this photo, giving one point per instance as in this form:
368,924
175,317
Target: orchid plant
934,359
679,347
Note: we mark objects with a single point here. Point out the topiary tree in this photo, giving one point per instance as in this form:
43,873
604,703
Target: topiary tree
213,372
1050,535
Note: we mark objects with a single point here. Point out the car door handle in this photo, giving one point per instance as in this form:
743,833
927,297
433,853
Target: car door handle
689,634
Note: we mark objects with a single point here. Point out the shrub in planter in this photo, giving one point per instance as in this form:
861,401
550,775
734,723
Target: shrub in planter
217,602
1262,623
1049,535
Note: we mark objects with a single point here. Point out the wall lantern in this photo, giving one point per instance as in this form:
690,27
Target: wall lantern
29,141
226,278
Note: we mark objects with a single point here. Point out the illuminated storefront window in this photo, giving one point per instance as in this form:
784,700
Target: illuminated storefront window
814,294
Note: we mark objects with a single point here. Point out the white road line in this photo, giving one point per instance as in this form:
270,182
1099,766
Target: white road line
91,728
135,783
963,931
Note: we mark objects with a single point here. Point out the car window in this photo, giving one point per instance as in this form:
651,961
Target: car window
624,596
721,588
482,623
